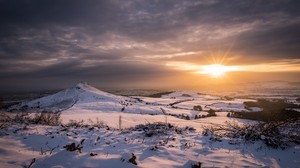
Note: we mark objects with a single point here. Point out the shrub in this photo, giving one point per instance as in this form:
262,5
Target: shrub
197,108
274,134
228,115
133,159
159,128
76,124
43,118
198,165
211,113
99,123
73,147
47,118
11,117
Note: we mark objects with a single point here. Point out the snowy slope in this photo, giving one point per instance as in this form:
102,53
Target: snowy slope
83,97
80,93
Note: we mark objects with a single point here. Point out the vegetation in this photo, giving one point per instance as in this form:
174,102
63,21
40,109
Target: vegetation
47,118
275,134
198,165
197,108
211,113
158,95
133,159
159,129
42,118
277,110
91,125
73,147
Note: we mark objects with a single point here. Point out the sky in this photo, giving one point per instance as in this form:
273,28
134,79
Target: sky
49,44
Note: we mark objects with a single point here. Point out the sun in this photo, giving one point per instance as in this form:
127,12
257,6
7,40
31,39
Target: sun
215,70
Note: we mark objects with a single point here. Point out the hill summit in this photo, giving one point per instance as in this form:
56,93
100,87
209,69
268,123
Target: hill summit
80,93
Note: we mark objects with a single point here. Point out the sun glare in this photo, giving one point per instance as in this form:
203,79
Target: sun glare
216,70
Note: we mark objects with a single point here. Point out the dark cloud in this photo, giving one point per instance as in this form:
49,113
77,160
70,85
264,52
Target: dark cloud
66,12
110,40
109,74
275,43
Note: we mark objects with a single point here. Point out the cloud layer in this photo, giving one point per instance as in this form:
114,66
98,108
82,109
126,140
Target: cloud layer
109,41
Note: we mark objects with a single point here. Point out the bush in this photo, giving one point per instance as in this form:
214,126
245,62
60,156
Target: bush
274,134
76,124
133,159
159,128
228,115
10,117
73,147
197,108
211,113
97,123
47,118
43,118
198,165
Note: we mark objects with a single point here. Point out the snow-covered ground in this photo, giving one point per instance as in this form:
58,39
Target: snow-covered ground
114,149
111,147
84,99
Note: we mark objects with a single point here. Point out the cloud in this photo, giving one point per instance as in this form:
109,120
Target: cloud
133,40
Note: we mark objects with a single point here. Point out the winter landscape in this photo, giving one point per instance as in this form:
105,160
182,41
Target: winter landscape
82,126
149,83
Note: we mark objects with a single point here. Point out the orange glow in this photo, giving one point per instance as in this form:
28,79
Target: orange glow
213,70
216,70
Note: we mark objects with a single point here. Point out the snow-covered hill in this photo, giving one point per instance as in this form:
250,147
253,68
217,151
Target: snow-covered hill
85,99
80,93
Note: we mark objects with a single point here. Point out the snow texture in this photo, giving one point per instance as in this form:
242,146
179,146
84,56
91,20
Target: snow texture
181,145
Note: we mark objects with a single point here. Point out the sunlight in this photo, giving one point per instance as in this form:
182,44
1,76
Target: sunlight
214,70
217,70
